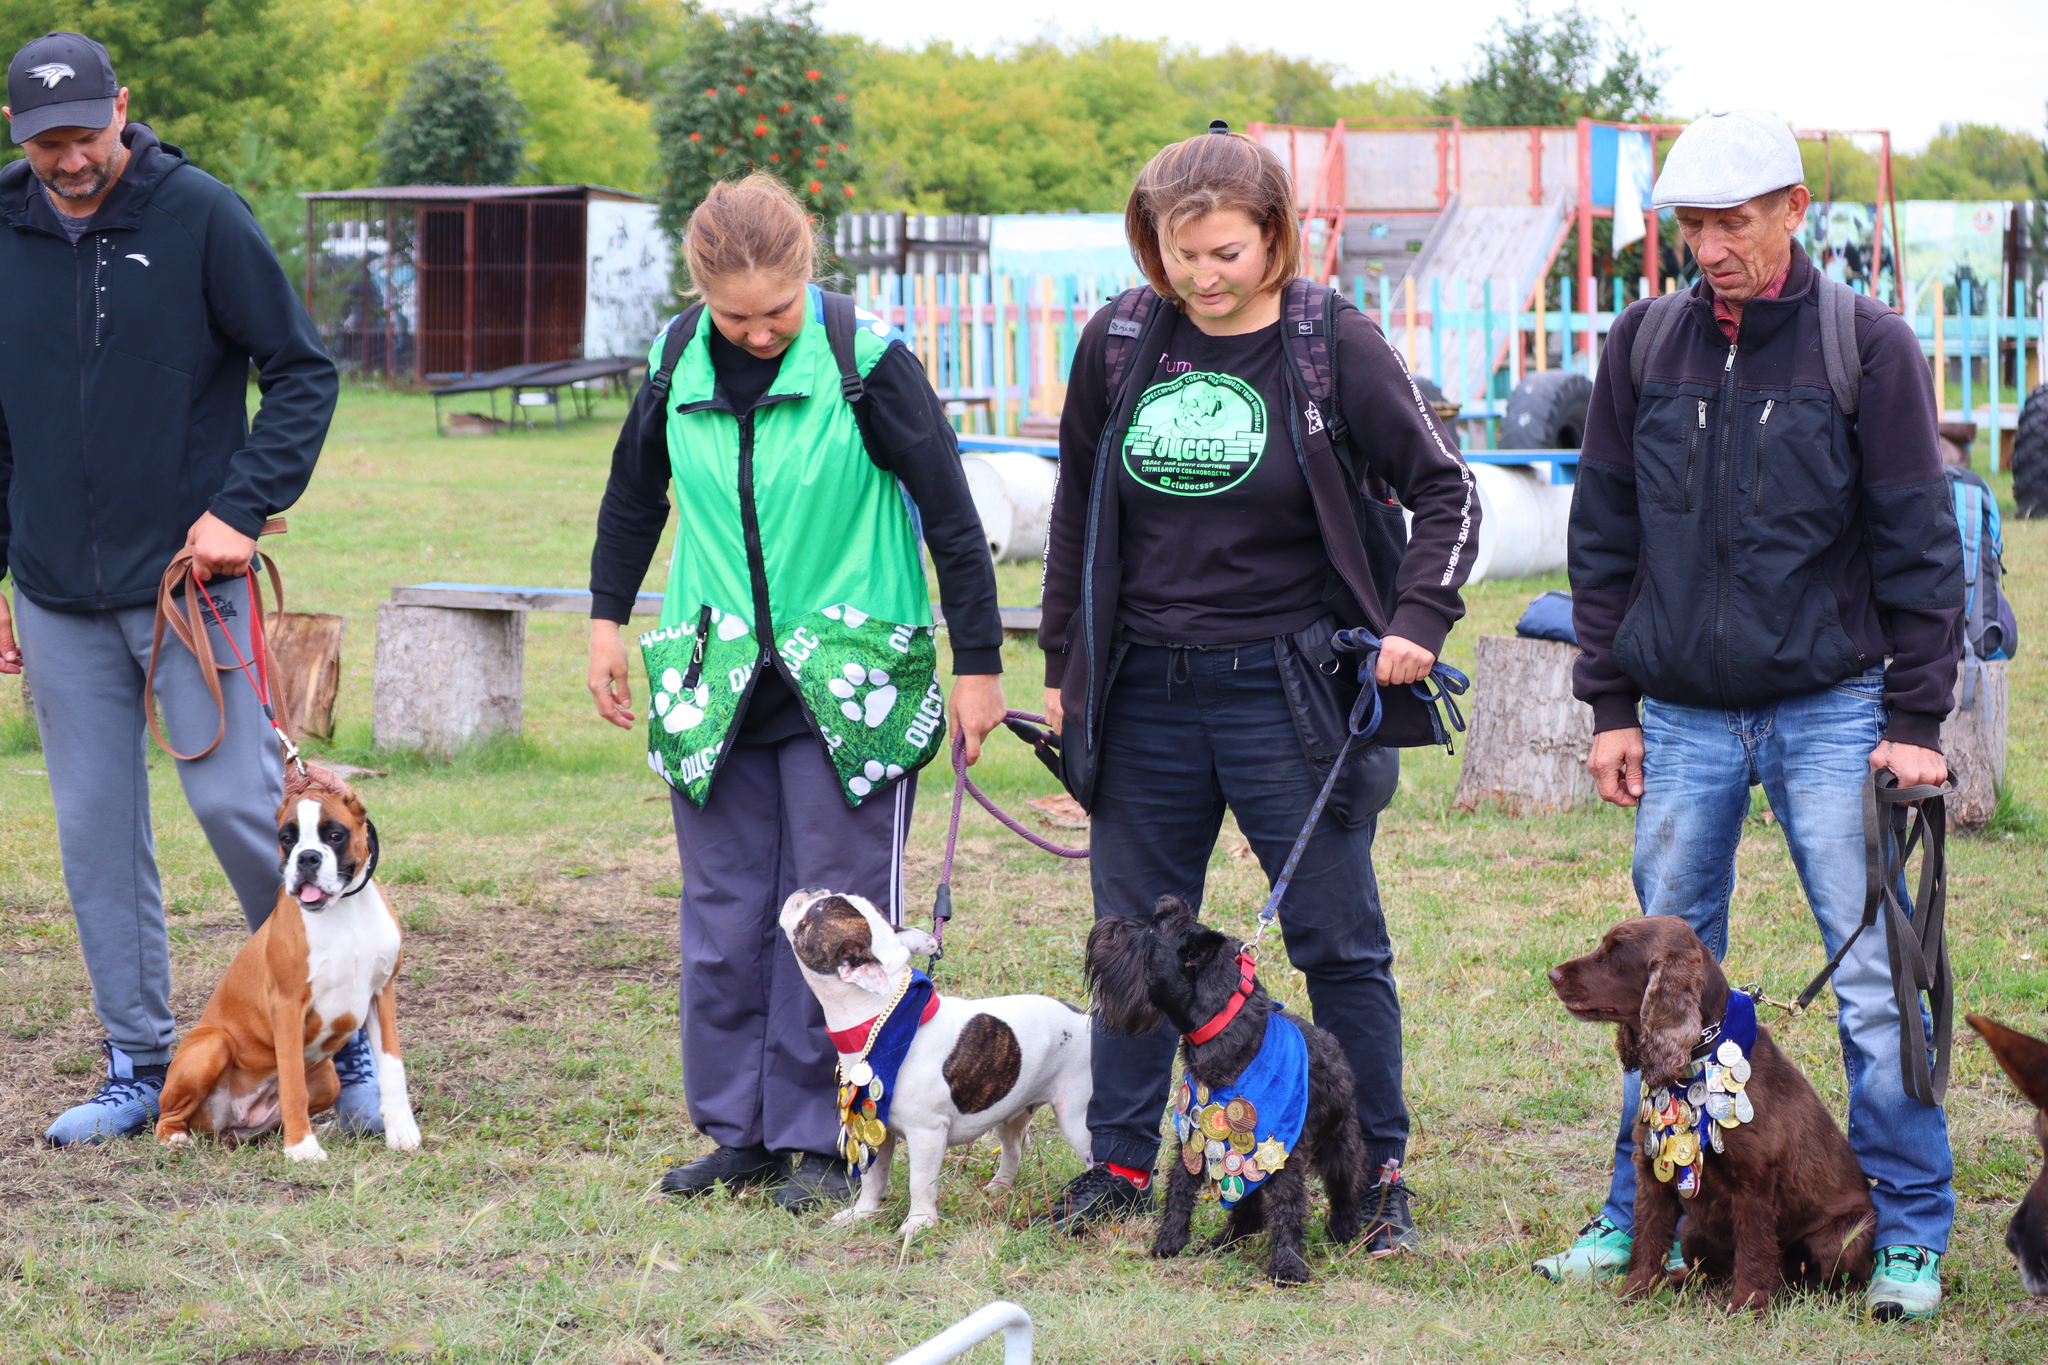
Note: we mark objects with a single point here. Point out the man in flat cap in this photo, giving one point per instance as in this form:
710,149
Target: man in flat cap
1765,558
138,293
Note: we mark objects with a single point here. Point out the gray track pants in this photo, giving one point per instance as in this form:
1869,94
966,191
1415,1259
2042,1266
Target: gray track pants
757,1062
87,671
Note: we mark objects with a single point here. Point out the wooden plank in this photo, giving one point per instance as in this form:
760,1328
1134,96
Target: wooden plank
503,597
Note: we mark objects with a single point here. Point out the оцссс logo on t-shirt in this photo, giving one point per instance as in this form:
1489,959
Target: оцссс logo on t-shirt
1197,433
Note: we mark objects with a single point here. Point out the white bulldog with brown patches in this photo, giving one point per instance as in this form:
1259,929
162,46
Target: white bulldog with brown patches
975,1066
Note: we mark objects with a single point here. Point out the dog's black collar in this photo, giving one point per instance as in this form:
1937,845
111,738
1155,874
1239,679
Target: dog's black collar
1709,1036
370,828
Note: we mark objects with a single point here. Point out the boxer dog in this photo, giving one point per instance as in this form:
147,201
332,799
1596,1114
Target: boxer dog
262,1055
975,1066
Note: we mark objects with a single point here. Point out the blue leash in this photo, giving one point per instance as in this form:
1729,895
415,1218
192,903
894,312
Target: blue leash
1438,692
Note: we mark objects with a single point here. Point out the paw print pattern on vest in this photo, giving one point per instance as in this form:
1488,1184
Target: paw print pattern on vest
863,782
730,625
879,701
852,617
680,710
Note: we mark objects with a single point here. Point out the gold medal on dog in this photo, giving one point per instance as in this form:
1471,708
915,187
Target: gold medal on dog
1214,1124
1663,1169
1242,1143
1270,1155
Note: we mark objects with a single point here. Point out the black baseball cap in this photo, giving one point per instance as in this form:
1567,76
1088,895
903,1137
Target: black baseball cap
60,80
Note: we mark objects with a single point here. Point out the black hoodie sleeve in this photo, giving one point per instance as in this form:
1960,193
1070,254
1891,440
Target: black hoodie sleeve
253,304
908,436
6,482
1604,544
634,510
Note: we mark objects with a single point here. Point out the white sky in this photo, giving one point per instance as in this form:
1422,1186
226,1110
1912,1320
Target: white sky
1866,64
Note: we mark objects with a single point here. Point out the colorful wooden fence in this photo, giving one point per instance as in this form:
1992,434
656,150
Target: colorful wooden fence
998,347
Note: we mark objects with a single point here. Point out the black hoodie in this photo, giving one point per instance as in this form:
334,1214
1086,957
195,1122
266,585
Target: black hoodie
124,370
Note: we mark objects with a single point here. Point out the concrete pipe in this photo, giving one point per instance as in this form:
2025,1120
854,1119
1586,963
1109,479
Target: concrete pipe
1523,518
1013,493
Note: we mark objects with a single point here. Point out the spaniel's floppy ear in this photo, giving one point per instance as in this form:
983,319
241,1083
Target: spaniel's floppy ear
1118,975
1671,1016
1628,1045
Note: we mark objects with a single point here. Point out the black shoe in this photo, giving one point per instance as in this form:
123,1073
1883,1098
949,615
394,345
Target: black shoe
1389,1224
1096,1195
815,1180
733,1167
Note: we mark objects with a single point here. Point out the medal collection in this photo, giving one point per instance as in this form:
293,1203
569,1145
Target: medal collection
1217,1141
862,1109
1682,1123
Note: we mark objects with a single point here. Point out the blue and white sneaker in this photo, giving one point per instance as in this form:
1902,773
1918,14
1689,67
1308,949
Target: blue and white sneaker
360,1108
1906,1285
126,1105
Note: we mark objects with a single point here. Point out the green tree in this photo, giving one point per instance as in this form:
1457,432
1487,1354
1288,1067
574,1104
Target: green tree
264,178
197,71
1975,161
458,122
1556,69
631,42
763,91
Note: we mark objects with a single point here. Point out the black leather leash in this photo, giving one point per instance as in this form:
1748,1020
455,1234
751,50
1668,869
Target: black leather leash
1897,821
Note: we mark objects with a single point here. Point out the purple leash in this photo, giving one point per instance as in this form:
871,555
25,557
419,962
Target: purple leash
942,903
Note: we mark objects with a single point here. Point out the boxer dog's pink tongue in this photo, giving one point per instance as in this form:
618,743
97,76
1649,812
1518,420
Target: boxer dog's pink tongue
309,893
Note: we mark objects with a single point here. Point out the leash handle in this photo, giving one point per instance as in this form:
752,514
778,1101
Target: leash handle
190,630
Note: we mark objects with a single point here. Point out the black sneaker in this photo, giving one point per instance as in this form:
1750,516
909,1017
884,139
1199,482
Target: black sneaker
1096,1195
1389,1224
733,1167
815,1180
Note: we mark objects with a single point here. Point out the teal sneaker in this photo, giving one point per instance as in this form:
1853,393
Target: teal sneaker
1674,1261
1907,1284
1600,1253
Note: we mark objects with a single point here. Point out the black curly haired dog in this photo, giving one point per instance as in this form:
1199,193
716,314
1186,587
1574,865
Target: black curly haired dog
1171,968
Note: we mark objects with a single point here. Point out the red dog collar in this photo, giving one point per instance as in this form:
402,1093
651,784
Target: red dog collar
850,1041
1246,969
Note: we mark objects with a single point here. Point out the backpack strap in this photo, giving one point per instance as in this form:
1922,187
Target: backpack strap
1663,312
1838,344
1135,309
839,326
673,341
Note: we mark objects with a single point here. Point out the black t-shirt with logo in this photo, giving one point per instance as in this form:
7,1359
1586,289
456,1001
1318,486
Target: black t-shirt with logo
1219,535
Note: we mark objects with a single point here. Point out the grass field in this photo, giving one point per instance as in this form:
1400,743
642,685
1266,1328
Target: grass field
537,884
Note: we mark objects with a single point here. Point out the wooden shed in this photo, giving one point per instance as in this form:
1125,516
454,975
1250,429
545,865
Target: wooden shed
419,283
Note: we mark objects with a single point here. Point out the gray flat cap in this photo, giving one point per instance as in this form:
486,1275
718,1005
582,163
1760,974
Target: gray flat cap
1727,159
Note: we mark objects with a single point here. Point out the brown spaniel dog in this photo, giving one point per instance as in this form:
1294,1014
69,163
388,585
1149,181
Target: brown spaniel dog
1786,1198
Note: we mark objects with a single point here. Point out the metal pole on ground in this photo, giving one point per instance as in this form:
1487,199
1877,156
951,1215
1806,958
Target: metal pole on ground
1001,1316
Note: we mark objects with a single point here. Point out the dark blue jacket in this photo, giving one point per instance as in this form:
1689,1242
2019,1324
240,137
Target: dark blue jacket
1735,539
124,373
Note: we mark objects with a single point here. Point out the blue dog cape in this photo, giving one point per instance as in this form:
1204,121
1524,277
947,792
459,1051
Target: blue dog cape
867,1084
1238,1135
1684,1121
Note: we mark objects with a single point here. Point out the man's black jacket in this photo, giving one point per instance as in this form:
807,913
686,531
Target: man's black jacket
1734,539
124,372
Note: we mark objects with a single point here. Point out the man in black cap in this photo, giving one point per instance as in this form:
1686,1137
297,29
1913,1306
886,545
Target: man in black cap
139,292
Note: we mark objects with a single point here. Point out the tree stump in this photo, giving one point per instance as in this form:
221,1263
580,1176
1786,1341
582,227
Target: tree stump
305,671
1973,741
1529,739
446,676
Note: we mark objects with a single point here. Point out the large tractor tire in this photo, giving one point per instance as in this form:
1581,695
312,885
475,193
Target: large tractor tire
2030,456
1547,411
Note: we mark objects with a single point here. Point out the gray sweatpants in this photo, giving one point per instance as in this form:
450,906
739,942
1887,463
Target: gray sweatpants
757,1062
86,670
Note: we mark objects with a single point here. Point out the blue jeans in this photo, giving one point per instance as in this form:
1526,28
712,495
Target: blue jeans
1189,732
1811,753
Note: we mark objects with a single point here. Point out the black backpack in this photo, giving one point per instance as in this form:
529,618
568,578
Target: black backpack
1308,320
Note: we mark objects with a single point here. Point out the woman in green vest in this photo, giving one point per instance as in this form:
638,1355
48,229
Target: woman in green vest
794,672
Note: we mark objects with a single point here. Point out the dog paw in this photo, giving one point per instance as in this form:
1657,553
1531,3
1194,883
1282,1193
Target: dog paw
916,1223
1290,1270
307,1148
1166,1249
997,1186
846,1218
402,1132
180,1139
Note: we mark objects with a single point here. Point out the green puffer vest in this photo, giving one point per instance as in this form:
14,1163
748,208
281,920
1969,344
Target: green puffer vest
789,533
